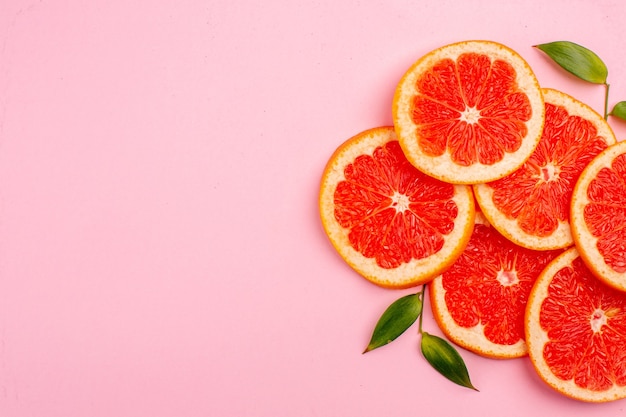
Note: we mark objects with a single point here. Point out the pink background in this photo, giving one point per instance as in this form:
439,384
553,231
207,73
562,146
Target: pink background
160,247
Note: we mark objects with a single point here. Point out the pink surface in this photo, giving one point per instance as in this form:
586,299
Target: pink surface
160,247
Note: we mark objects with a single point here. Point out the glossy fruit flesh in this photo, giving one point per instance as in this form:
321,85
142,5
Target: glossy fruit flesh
394,212
490,282
538,194
470,107
585,323
605,214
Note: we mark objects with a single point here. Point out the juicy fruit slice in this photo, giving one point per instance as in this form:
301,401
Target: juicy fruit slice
576,331
469,112
393,224
531,205
598,215
479,302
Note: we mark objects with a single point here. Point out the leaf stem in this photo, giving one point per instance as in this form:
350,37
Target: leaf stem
606,100
422,293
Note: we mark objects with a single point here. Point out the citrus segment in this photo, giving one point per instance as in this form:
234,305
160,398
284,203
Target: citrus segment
392,223
576,331
531,205
598,213
468,112
479,302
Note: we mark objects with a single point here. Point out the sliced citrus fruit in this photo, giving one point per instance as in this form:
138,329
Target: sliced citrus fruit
479,302
392,223
576,331
598,215
531,205
469,112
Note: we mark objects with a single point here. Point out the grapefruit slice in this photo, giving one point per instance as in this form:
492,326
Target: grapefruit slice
531,205
392,223
479,302
469,112
598,215
576,331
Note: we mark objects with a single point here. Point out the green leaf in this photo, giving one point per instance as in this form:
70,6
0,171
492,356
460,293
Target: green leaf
577,60
398,317
619,110
445,359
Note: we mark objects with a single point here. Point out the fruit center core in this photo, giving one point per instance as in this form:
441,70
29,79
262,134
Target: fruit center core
507,278
400,202
549,173
470,115
598,319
